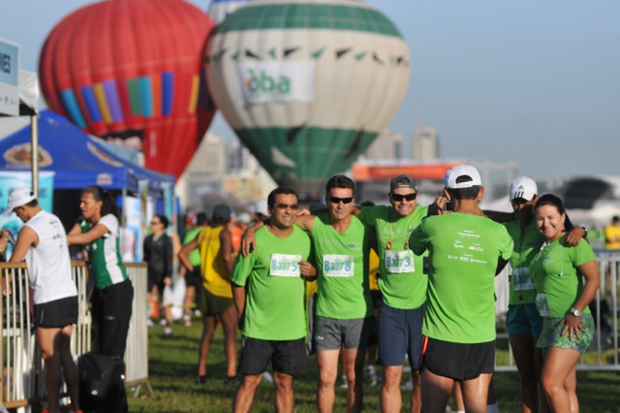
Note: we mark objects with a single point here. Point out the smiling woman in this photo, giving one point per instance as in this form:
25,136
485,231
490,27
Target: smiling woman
562,300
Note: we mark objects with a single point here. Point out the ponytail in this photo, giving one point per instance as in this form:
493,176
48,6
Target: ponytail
107,200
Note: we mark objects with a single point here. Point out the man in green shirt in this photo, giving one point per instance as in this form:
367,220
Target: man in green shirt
466,250
403,284
269,292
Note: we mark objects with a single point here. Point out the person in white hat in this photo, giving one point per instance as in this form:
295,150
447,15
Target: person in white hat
42,242
466,251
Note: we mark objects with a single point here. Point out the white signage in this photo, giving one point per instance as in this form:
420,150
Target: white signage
267,82
9,78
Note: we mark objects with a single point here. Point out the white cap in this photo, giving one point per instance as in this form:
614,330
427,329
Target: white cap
463,171
244,218
19,197
523,187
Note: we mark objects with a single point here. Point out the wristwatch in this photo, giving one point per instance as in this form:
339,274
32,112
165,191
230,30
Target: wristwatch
575,312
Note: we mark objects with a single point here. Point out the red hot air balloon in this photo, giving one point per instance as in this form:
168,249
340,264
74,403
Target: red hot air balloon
123,68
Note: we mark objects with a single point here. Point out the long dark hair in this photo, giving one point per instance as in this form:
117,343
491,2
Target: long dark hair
108,205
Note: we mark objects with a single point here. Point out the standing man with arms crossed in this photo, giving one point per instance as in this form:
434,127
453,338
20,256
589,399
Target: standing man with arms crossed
402,283
466,250
269,289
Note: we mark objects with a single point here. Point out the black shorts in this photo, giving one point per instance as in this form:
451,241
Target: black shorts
286,356
155,279
459,361
194,278
214,304
56,314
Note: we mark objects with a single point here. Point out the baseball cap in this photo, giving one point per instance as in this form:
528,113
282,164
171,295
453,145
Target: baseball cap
221,212
401,181
19,197
463,176
244,218
523,187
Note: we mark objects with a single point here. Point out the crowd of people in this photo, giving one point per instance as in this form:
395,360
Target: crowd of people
297,280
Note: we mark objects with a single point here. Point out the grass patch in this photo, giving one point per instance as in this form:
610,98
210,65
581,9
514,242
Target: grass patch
173,372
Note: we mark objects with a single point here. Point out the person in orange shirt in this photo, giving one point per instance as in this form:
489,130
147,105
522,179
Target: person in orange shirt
217,256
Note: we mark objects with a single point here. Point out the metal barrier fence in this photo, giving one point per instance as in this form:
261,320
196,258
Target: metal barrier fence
604,353
22,380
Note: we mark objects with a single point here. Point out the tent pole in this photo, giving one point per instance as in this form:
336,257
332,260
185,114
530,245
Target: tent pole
34,148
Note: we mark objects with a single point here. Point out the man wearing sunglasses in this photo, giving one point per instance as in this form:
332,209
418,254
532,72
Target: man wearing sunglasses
343,302
403,284
466,251
269,290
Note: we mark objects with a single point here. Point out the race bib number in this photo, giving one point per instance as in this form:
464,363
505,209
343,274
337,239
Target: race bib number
521,280
283,265
542,305
399,262
338,266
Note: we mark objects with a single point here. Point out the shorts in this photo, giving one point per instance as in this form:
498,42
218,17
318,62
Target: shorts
333,334
215,305
193,278
56,314
523,320
400,334
286,356
155,279
459,361
553,328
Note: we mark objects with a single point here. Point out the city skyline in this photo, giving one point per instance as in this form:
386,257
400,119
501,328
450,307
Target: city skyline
530,82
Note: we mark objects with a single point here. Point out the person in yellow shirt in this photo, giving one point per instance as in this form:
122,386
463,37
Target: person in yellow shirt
217,260
612,234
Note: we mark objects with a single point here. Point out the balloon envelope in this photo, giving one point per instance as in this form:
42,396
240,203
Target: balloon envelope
307,85
133,68
219,9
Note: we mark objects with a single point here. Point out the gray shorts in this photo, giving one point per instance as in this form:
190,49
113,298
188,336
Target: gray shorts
333,334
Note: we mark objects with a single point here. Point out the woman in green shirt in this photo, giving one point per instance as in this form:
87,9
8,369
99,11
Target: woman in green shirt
562,299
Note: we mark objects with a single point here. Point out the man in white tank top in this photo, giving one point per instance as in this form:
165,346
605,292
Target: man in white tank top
42,242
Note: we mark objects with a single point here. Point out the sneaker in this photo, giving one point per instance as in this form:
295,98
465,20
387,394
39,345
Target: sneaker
167,331
197,313
149,322
187,320
268,377
163,322
344,384
371,375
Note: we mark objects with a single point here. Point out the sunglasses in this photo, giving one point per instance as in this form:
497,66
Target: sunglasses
519,201
401,198
155,222
294,207
336,200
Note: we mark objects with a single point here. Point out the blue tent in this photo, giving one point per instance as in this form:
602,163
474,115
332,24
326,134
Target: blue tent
77,159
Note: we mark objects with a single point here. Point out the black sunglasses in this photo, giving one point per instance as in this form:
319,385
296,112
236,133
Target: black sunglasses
294,207
519,201
336,200
401,198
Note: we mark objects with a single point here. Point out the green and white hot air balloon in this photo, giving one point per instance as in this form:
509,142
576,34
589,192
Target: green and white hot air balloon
307,85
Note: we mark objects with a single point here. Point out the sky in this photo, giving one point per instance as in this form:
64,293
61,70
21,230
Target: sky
536,82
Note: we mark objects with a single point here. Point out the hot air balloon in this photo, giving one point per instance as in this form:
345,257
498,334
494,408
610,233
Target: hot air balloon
307,85
126,68
219,9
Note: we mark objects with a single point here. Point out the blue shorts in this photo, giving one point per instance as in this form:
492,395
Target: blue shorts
400,334
523,320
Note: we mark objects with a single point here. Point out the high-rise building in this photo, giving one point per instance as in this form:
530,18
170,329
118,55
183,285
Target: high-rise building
426,144
387,146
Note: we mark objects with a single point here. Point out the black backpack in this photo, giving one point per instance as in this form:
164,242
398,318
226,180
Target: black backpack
101,377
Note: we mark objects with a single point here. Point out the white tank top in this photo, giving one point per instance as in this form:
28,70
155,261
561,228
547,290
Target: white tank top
49,264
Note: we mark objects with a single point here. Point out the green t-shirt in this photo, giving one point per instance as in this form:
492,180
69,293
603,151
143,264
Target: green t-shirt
527,242
402,280
556,277
464,253
342,261
194,256
275,300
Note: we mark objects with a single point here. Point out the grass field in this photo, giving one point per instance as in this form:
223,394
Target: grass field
173,369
